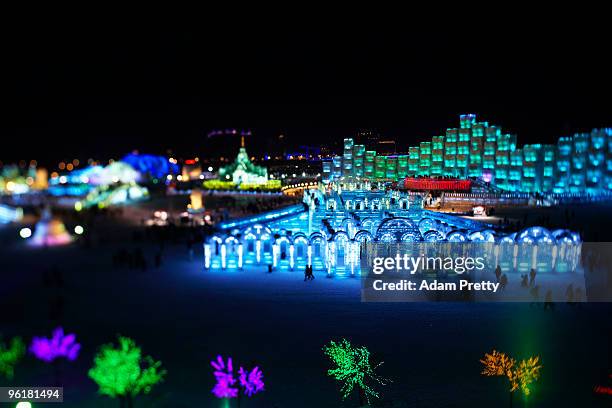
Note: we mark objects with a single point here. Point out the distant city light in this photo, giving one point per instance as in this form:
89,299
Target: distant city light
169,177
25,233
210,168
78,230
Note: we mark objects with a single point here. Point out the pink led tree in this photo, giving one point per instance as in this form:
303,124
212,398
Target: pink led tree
251,381
50,350
228,386
224,375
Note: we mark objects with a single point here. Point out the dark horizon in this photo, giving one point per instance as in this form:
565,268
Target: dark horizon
103,94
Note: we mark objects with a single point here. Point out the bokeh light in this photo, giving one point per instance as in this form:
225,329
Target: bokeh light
25,233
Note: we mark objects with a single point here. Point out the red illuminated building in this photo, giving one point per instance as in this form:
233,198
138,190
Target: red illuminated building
428,184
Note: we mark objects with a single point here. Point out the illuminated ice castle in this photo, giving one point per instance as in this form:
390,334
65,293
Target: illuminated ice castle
327,230
243,171
577,164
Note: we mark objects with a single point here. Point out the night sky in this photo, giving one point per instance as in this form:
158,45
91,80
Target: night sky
101,90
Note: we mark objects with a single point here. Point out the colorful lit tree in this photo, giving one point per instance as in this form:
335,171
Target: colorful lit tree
225,387
60,345
228,386
124,372
519,375
10,356
50,350
353,368
251,381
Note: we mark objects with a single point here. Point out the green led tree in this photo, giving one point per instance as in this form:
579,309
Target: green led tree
352,367
124,372
10,356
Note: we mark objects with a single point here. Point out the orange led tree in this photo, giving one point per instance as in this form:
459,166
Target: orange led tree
519,375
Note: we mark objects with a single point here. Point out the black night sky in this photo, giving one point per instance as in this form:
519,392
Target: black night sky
97,90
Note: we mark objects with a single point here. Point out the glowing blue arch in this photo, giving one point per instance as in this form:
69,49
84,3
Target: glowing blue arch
340,236
257,230
398,228
363,236
456,236
566,236
534,235
427,224
411,236
300,237
489,235
316,237
386,237
433,236
369,223
284,238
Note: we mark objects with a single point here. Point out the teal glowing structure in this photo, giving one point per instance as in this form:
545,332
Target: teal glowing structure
243,171
357,162
327,230
580,164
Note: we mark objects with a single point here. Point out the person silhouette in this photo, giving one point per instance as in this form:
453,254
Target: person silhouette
532,276
548,302
498,272
503,281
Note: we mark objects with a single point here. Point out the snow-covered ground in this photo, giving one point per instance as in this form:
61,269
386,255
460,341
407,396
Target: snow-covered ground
185,316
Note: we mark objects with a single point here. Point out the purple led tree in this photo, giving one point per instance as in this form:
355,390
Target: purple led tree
59,345
50,350
228,386
224,375
251,381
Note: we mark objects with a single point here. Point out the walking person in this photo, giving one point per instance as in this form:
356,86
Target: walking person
498,272
532,276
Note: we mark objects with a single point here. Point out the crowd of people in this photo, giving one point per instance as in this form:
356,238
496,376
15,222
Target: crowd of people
528,282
